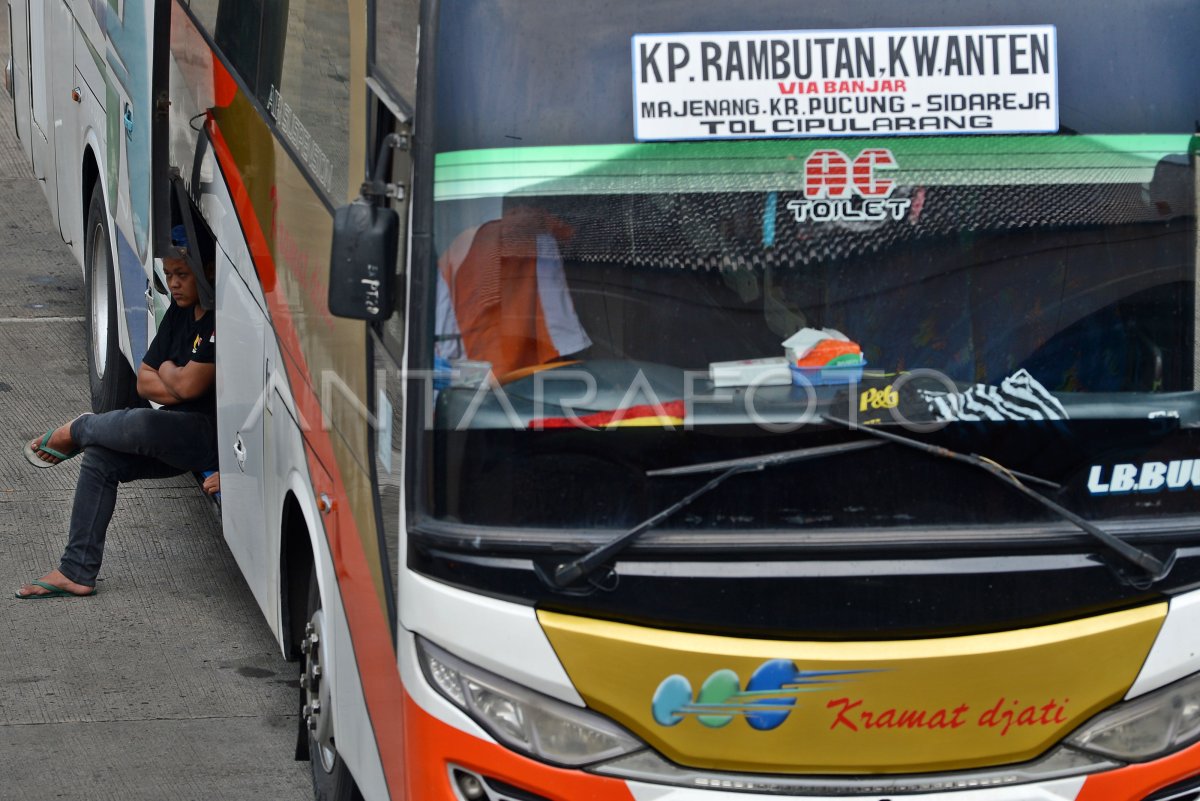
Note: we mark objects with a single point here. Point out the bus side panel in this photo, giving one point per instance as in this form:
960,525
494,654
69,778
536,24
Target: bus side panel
322,368
258,436
18,31
251,413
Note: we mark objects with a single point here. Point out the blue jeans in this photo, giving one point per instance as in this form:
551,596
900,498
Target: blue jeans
121,446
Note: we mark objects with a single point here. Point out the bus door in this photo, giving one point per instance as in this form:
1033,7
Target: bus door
67,96
132,45
18,32
245,402
51,37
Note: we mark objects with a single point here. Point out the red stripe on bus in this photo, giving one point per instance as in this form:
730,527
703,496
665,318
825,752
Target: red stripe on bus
434,746
1135,782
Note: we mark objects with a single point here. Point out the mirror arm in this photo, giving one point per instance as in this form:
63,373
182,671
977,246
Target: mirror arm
377,190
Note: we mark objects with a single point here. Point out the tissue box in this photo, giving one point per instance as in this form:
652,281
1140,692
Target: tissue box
827,374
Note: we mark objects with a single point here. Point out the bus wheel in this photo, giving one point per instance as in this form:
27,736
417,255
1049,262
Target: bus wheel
330,777
110,379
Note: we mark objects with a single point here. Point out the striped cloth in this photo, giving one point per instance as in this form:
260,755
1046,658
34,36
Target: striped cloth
1019,397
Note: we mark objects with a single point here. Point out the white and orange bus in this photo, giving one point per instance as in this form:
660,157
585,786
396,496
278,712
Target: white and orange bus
688,401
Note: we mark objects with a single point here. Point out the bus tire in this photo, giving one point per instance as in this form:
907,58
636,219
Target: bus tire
110,379
331,778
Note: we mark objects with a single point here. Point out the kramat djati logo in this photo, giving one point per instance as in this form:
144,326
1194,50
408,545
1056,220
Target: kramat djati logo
768,699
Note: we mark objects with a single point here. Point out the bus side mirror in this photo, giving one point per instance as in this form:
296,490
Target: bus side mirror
362,262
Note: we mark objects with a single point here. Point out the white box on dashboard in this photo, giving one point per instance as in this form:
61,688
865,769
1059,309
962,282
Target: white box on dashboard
766,372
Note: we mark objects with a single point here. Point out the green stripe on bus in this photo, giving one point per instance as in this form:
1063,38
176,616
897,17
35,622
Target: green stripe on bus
777,165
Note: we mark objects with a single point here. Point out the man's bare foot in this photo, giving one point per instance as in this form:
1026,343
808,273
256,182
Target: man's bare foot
60,440
56,579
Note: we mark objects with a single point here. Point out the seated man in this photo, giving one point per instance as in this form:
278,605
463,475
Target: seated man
177,372
503,296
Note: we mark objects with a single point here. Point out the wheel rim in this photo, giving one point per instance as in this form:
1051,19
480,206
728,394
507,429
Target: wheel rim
99,318
317,710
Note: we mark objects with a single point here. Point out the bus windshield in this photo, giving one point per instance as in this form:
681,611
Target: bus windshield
629,277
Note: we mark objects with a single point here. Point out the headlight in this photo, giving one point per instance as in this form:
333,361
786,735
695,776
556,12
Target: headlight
524,720
1147,727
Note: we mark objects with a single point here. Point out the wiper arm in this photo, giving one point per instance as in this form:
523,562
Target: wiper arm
1155,568
568,573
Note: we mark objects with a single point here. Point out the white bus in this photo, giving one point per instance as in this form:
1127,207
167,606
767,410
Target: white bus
688,401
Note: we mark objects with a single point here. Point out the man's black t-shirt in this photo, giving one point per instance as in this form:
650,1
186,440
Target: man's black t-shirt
181,338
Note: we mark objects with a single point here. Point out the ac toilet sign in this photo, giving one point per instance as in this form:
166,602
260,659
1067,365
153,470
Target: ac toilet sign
1001,79
1147,477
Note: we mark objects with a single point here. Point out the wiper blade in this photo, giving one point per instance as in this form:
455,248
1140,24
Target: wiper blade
568,573
1156,569
766,460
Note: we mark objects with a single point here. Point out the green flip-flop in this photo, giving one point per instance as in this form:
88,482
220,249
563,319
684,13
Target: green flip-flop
32,457
54,592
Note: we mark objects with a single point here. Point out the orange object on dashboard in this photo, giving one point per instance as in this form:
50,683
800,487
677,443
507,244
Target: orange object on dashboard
826,351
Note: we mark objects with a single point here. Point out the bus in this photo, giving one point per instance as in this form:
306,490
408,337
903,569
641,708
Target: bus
677,400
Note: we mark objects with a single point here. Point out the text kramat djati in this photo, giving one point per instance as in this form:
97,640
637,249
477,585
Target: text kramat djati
1002,716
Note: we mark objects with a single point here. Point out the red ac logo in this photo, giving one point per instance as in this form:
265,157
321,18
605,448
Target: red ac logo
829,174
837,189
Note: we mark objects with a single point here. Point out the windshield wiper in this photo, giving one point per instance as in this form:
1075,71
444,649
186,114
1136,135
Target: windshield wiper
568,573
1156,569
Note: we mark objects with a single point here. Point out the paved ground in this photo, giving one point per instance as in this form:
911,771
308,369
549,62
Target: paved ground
167,683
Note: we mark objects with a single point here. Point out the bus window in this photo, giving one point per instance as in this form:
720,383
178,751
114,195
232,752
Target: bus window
249,35
205,12
394,58
294,55
310,101
614,275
